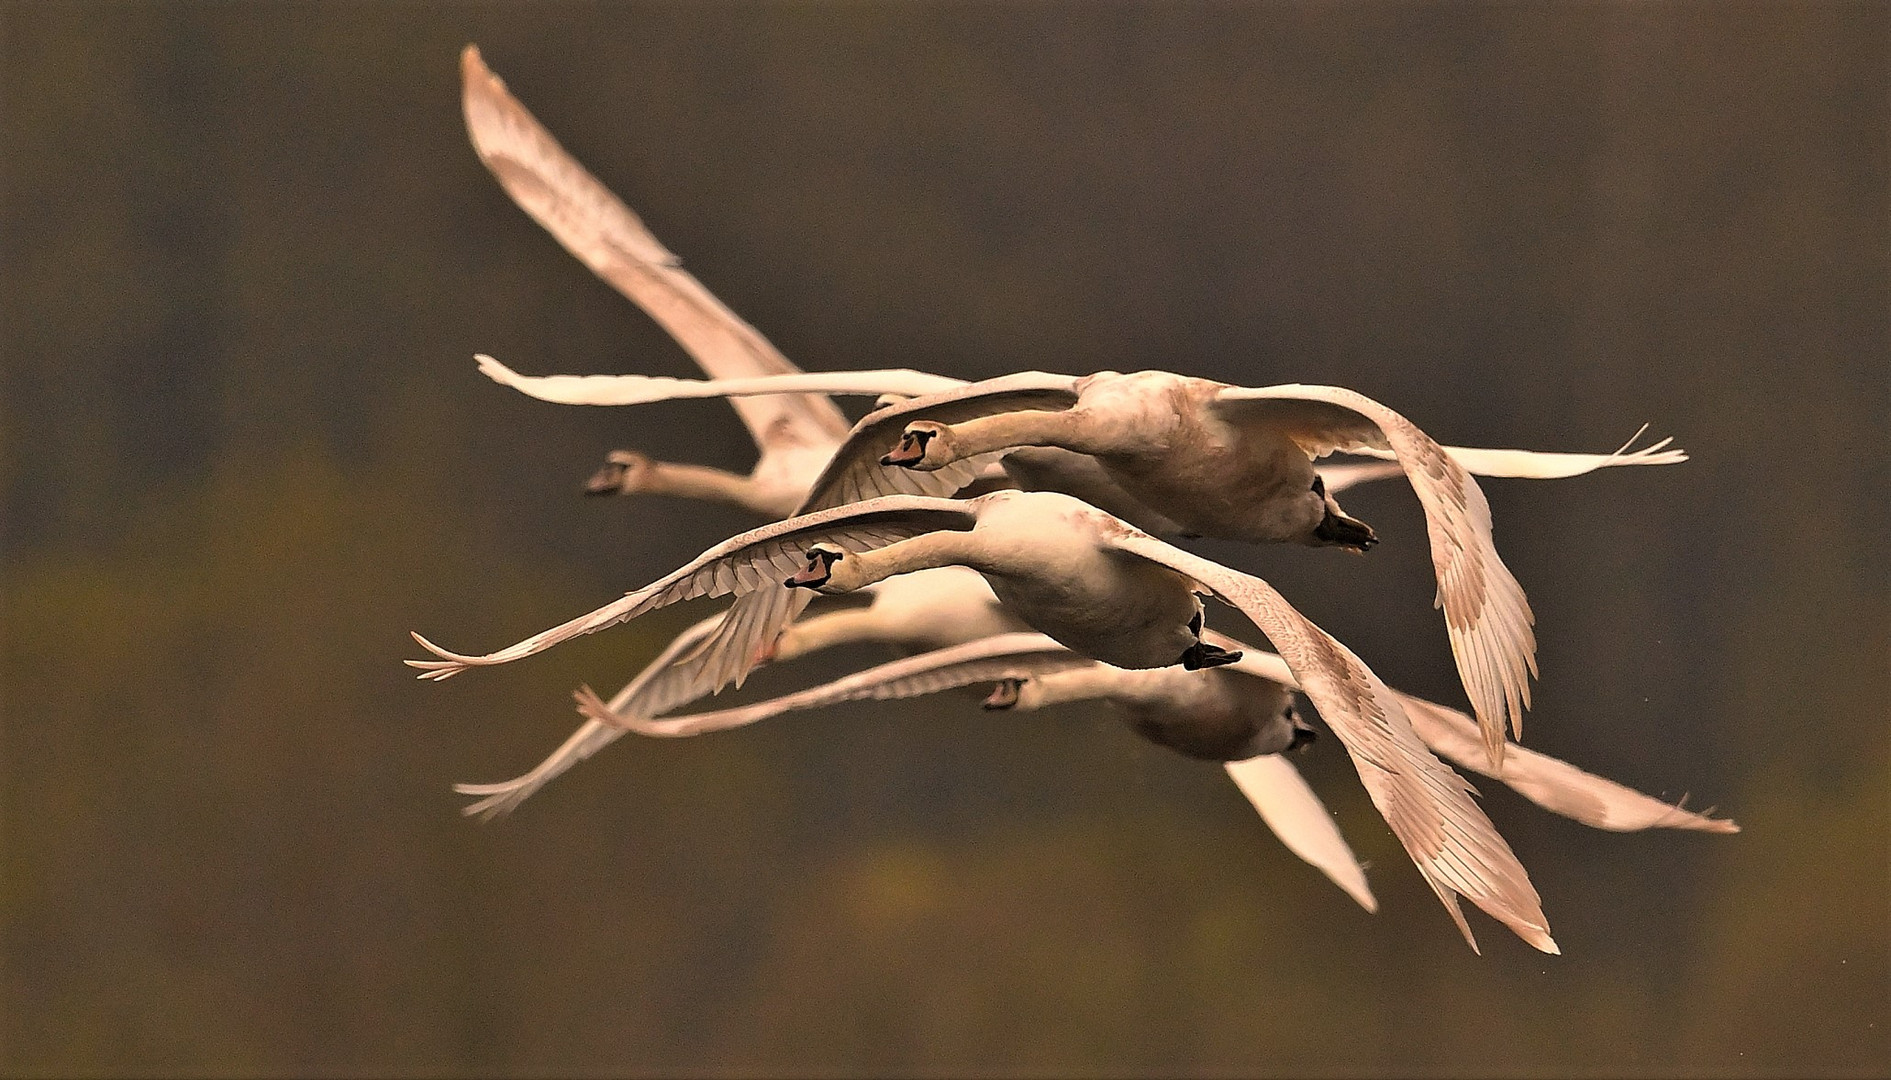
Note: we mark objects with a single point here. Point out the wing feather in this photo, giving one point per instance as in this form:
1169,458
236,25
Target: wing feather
596,227
646,389
1429,807
1486,614
1015,655
1288,805
651,692
1551,783
777,549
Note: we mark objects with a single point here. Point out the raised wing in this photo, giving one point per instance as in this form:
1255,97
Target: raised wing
1002,656
754,561
644,389
606,236
1429,807
1486,614
1281,796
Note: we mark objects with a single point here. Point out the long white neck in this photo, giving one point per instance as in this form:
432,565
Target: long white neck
1028,427
699,482
1096,682
922,552
826,630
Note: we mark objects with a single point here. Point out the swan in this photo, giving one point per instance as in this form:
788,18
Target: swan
794,433
1215,459
1117,594
1243,711
1033,672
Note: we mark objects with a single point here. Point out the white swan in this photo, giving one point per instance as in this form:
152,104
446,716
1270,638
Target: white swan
795,433
1232,709
1047,674
1216,460
1116,594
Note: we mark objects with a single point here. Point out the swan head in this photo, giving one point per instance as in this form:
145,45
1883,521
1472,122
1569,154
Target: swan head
826,571
924,446
623,472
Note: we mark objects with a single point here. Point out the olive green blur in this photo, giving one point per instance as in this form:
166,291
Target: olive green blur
247,256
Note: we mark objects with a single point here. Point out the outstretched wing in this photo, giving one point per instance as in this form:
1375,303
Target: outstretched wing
1547,464
1002,656
1552,783
1281,796
606,236
1486,614
652,692
1429,807
755,561
644,389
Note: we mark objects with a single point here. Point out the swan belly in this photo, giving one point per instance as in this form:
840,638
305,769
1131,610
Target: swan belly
1126,612
1214,715
1235,486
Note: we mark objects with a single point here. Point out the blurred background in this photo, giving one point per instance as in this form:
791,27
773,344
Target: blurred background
248,255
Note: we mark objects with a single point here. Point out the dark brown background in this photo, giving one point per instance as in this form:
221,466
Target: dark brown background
247,257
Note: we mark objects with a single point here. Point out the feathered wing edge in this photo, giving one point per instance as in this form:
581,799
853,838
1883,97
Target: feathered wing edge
646,693
1429,807
1487,616
597,228
1551,783
752,562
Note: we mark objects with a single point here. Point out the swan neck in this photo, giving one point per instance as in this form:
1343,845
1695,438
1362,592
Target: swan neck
918,553
698,482
1031,427
1097,682
824,631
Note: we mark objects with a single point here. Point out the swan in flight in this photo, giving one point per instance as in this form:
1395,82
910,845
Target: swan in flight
1112,593
1215,459
1034,672
1240,714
